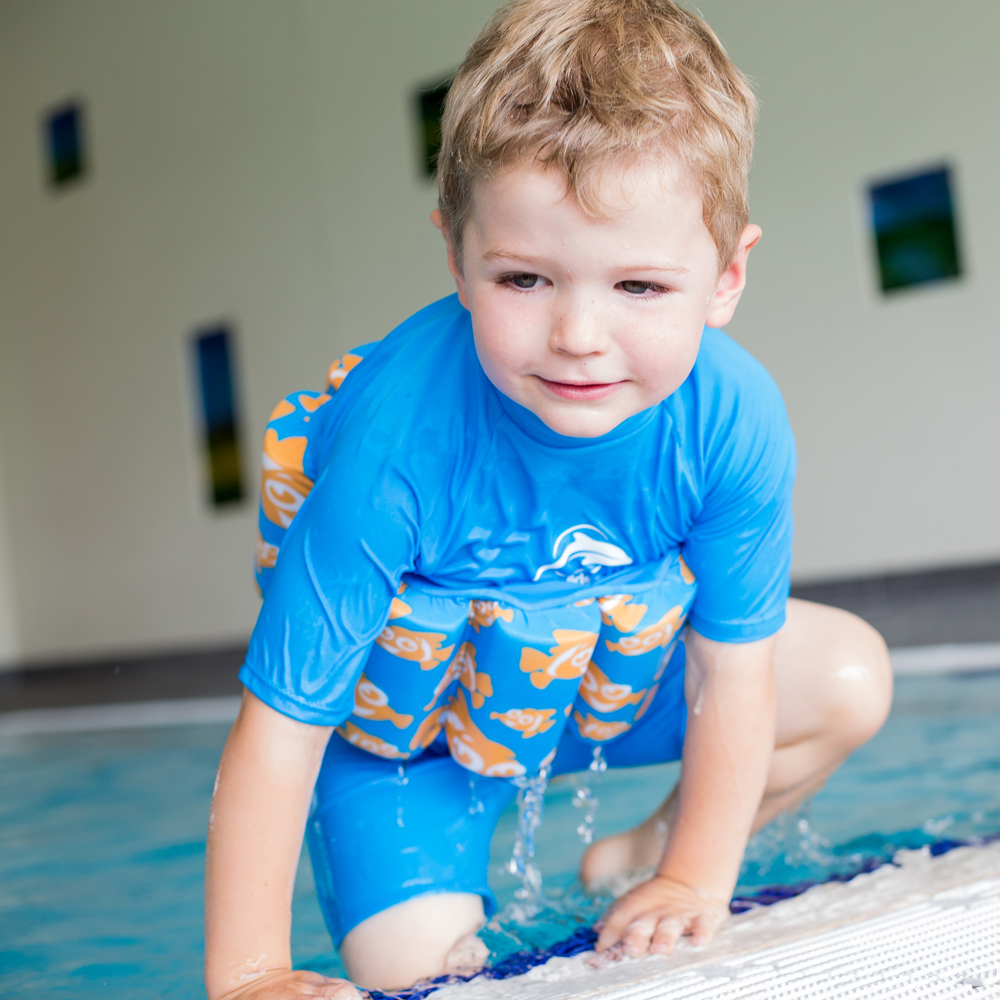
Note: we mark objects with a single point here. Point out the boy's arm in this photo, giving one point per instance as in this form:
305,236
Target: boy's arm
258,816
727,750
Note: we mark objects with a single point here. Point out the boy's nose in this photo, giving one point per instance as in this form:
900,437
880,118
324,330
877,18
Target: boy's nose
577,331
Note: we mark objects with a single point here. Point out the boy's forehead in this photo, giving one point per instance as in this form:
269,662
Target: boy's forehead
613,189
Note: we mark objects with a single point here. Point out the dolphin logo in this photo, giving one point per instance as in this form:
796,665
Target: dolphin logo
590,551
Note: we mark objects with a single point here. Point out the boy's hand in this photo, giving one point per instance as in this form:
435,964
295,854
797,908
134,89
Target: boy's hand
729,689
286,984
655,915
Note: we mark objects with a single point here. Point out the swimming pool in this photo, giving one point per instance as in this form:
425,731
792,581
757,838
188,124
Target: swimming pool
102,839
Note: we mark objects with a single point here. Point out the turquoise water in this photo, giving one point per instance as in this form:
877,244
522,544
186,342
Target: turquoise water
102,839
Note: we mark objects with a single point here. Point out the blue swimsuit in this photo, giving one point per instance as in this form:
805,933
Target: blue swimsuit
461,588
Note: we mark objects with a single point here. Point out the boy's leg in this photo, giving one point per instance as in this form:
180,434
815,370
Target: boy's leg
400,856
421,938
834,691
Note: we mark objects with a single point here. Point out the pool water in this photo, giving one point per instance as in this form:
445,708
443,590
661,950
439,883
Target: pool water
102,840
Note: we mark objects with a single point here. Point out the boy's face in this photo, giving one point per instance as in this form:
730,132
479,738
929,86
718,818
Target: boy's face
587,321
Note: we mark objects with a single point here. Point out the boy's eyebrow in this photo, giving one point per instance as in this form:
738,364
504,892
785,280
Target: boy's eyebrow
502,254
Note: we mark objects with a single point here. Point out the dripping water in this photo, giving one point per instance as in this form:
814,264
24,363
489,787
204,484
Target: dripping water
585,797
402,778
530,803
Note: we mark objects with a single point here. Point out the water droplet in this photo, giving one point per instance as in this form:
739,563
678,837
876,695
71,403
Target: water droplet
530,804
699,702
586,798
475,803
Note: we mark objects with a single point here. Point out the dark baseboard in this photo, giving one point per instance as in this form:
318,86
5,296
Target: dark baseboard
976,577
959,604
192,674
909,609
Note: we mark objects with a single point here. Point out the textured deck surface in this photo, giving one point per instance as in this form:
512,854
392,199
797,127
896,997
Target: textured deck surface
927,929
947,947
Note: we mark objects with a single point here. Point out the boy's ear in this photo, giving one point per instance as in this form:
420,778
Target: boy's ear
453,264
723,302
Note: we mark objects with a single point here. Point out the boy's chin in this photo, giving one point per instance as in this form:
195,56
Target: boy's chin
580,421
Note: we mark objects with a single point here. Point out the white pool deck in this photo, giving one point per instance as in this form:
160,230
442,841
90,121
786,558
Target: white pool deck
927,929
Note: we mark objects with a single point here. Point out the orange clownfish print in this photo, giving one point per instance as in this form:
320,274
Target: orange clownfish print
651,636
311,401
399,608
603,695
267,554
340,369
463,667
371,702
527,721
595,729
686,575
420,647
283,484
566,661
471,747
478,684
485,613
616,610
364,741
427,731
455,669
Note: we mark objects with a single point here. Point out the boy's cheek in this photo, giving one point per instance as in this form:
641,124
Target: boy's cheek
505,336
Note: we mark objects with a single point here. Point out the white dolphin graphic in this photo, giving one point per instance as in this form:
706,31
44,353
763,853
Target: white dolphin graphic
590,551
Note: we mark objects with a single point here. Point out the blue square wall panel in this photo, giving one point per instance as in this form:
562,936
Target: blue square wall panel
913,223
65,144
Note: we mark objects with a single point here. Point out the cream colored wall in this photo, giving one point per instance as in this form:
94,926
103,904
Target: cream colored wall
255,160
10,646
894,401
252,161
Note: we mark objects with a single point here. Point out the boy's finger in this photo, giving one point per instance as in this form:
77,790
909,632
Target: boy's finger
638,934
335,990
614,924
703,928
668,933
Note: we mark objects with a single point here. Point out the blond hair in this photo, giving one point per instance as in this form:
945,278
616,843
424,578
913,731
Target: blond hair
581,84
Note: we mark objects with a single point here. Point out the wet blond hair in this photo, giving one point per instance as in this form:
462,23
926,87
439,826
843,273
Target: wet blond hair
584,84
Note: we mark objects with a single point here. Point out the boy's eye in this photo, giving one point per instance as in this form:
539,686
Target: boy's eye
524,280
639,287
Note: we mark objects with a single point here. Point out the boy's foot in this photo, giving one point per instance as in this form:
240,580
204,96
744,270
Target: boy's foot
467,957
609,860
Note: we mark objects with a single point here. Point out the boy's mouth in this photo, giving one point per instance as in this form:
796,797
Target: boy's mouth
585,391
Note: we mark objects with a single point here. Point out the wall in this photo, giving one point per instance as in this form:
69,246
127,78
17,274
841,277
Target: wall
894,401
251,160
256,161
10,646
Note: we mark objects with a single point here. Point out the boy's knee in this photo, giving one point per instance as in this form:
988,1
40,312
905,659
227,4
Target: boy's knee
862,683
420,938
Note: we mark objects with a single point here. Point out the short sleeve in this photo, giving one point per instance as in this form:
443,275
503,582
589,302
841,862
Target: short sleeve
341,562
740,545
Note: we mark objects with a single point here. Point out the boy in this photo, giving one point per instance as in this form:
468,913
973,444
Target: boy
521,497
